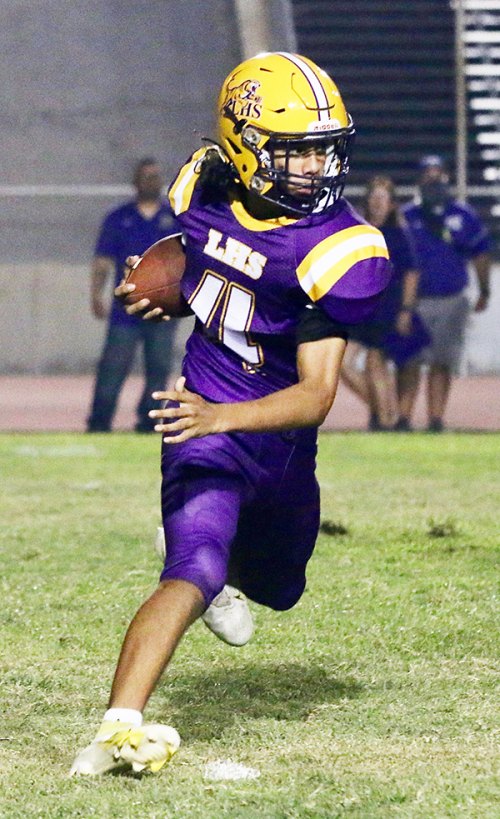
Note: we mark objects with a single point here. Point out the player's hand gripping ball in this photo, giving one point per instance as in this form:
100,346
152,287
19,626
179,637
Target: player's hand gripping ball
157,276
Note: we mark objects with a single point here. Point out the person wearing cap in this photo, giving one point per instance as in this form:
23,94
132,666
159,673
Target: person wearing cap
448,235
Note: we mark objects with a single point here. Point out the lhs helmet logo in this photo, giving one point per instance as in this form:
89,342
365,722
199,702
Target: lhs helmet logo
243,100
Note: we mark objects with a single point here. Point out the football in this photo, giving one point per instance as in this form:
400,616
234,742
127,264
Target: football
157,277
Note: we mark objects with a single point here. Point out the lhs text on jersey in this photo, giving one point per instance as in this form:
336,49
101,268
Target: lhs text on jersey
235,254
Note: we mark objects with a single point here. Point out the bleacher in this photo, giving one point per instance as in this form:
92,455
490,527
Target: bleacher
394,62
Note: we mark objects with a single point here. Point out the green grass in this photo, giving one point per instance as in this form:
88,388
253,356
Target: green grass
374,697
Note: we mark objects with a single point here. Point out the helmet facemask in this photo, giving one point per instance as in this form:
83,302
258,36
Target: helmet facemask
275,179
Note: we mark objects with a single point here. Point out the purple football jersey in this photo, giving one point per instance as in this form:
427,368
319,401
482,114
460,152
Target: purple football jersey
249,280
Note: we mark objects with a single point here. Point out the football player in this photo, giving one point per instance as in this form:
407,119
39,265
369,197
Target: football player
278,266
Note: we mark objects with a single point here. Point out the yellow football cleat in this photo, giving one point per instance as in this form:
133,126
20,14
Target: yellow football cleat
120,744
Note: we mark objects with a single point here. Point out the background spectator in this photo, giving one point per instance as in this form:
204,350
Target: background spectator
128,230
447,235
394,332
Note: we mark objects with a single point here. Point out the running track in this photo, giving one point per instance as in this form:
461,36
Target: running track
61,403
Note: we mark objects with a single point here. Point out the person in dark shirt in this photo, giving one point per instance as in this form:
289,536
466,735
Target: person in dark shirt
448,236
394,331
131,228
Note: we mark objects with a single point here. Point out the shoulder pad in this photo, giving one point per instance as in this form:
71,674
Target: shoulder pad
181,189
334,256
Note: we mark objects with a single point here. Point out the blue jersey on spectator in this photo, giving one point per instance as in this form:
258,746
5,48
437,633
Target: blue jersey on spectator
126,232
444,247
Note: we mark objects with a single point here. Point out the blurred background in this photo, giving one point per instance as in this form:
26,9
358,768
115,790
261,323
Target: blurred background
90,87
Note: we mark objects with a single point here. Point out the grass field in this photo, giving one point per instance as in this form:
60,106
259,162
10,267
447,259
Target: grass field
376,696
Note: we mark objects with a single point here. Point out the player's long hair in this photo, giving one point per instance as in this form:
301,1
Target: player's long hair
217,177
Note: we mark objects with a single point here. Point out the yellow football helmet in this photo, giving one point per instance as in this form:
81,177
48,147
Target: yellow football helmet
278,104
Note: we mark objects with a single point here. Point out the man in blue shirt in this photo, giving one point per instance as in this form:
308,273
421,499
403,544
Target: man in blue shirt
130,229
448,235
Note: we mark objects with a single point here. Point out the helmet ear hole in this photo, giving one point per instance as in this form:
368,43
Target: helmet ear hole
235,147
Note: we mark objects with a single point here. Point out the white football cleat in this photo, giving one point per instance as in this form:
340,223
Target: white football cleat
120,744
228,615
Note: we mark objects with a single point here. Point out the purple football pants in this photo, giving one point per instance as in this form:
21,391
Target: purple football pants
243,509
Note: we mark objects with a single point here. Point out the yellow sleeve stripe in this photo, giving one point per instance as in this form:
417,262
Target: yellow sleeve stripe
326,263
183,187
